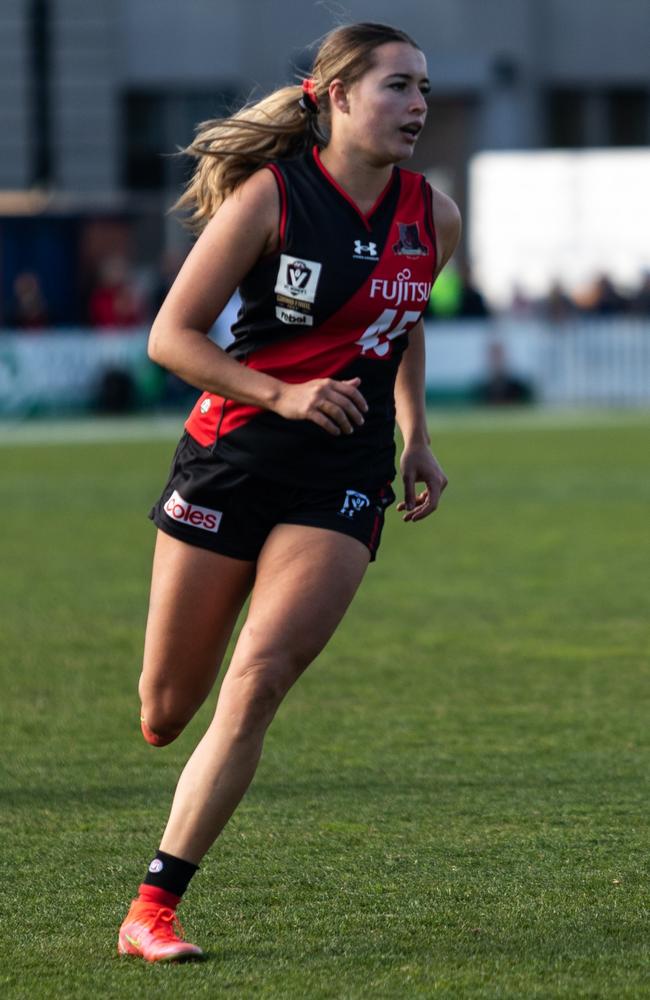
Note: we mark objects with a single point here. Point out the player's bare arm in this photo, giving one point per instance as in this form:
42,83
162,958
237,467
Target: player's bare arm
249,220
448,225
417,463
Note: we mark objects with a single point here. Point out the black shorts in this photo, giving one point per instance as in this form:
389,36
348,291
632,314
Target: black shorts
217,506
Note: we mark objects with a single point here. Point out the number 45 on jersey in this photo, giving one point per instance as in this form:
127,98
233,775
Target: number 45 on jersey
377,337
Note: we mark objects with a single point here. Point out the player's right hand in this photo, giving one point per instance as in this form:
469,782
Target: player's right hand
337,407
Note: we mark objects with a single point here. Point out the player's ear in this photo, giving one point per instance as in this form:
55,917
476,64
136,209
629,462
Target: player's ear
338,96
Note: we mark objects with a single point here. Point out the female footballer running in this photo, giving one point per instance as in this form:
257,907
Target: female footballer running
280,482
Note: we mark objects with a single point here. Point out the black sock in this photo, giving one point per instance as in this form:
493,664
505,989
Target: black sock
170,873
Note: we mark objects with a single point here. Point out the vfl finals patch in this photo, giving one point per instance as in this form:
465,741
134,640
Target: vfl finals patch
295,290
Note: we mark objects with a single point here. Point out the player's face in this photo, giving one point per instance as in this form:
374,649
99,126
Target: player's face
387,106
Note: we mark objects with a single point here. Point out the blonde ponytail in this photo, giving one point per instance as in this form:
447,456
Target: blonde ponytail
229,150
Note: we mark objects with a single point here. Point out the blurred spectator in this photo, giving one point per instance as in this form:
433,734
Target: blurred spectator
454,296
500,385
444,300
557,306
521,305
471,304
116,392
603,299
170,265
114,302
640,301
29,308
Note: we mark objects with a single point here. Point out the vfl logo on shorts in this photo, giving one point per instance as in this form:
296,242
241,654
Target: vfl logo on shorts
353,503
184,512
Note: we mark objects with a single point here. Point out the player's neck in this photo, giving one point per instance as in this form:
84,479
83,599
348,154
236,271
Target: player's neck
363,181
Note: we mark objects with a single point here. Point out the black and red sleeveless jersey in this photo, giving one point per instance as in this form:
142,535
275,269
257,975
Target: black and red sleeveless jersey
337,300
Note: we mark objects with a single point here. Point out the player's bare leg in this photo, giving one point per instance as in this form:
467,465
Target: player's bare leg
196,596
306,578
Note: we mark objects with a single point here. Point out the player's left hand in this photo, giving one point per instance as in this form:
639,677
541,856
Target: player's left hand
418,465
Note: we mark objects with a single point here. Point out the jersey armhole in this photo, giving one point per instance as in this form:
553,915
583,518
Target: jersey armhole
282,191
429,220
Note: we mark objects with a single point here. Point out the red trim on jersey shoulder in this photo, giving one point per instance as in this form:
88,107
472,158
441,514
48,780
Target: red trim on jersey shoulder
365,217
428,214
282,191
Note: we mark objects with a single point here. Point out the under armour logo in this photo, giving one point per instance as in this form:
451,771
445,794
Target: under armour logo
353,503
365,249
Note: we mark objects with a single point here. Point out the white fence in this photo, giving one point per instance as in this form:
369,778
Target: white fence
602,362
606,363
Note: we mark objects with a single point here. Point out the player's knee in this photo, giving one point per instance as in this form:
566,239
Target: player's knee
256,697
160,727
160,738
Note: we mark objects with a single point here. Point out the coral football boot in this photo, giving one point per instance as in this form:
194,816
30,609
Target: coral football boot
153,932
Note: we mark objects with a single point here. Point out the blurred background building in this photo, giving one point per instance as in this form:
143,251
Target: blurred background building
94,92
97,95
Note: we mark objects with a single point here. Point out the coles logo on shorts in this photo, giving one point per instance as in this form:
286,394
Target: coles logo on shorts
188,513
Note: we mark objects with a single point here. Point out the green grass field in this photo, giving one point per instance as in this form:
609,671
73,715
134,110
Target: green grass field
453,801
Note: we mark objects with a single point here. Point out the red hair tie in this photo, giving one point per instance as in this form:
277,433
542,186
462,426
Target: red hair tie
309,100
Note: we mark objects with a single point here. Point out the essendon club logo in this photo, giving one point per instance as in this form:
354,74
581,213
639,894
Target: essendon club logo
180,509
409,243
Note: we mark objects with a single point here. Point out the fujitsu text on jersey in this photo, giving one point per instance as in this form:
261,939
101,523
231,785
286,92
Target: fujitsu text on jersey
401,290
